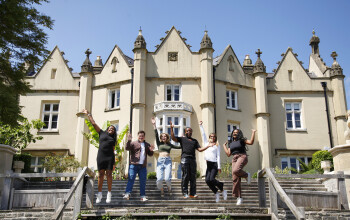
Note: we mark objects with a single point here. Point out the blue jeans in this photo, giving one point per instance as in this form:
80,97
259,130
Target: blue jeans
164,166
142,172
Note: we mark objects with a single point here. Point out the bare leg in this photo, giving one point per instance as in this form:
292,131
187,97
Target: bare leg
101,176
109,179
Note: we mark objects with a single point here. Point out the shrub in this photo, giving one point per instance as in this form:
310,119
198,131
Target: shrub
152,175
26,158
60,164
319,156
226,171
198,174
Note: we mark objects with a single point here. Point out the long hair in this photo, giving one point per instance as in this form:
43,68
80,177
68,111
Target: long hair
216,138
167,141
240,137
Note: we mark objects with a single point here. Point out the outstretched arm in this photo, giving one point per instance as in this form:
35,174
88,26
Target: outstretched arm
97,128
227,150
204,136
153,121
251,141
172,132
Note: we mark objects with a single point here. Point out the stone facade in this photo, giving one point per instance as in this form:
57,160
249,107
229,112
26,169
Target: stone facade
286,107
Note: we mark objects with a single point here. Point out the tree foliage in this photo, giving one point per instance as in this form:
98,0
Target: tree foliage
319,156
60,164
20,137
22,40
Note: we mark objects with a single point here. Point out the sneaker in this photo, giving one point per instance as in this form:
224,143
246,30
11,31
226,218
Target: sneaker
126,196
217,197
249,178
224,194
185,196
99,197
239,201
143,199
109,197
194,196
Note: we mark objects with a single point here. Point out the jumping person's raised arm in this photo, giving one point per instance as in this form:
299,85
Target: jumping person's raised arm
251,141
172,132
97,128
227,150
153,121
204,136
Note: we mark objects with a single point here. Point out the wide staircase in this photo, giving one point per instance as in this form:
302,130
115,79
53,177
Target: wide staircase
203,207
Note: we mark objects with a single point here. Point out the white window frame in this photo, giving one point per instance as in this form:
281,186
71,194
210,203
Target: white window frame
230,128
116,98
293,112
287,159
51,113
172,87
162,123
229,95
36,164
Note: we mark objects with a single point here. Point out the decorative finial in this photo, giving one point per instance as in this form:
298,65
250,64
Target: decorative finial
140,31
205,28
88,52
334,55
313,31
258,53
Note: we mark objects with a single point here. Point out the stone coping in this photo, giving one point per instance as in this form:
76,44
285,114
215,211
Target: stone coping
7,149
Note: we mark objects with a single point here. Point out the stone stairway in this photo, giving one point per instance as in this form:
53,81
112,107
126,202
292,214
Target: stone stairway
202,207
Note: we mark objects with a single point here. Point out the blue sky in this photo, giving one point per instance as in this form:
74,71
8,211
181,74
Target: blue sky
272,26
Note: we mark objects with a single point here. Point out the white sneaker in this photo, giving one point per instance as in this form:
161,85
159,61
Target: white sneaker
224,194
249,178
239,201
109,197
126,196
217,197
99,197
185,196
143,199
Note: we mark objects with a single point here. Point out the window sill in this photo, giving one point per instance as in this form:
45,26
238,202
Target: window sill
296,130
233,109
112,109
48,132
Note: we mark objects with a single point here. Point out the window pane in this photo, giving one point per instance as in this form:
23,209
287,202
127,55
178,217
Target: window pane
177,93
227,98
161,130
32,161
184,122
288,106
176,120
169,120
228,128
47,107
168,93
297,124
176,131
233,100
289,116
169,131
293,162
112,99
284,165
46,121
55,107
54,125
161,121
41,160
54,118
297,116
289,124
296,106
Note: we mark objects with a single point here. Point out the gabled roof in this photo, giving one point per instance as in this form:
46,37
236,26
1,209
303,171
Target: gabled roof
129,61
166,37
283,59
47,60
217,60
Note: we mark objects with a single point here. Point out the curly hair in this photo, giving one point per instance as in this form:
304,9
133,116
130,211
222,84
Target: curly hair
240,137
114,136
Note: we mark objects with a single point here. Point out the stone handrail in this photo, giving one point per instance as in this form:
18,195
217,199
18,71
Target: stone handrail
76,188
275,187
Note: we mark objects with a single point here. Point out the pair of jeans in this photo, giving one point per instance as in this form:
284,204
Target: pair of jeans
238,162
164,166
142,172
212,171
189,172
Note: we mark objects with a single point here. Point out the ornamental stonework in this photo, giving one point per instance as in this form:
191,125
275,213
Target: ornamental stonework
172,56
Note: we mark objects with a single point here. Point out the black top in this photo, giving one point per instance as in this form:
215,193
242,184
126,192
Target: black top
105,154
237,147
188,146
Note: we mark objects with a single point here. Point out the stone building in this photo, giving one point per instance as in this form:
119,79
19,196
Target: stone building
286,107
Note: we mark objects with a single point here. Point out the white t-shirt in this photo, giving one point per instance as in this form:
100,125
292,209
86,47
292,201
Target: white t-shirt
143,153
211,154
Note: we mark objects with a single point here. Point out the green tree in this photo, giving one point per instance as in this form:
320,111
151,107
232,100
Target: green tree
22,40
20,137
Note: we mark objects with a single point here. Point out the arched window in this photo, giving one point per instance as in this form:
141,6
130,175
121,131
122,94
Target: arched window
230,62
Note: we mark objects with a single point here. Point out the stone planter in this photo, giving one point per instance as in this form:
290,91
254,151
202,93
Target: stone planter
18,166
326,166
6,156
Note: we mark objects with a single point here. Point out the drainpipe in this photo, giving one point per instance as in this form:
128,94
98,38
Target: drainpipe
324,85
214,99
131,99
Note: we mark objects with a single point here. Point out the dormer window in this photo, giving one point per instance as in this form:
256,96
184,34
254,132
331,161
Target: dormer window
172,92
114,63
